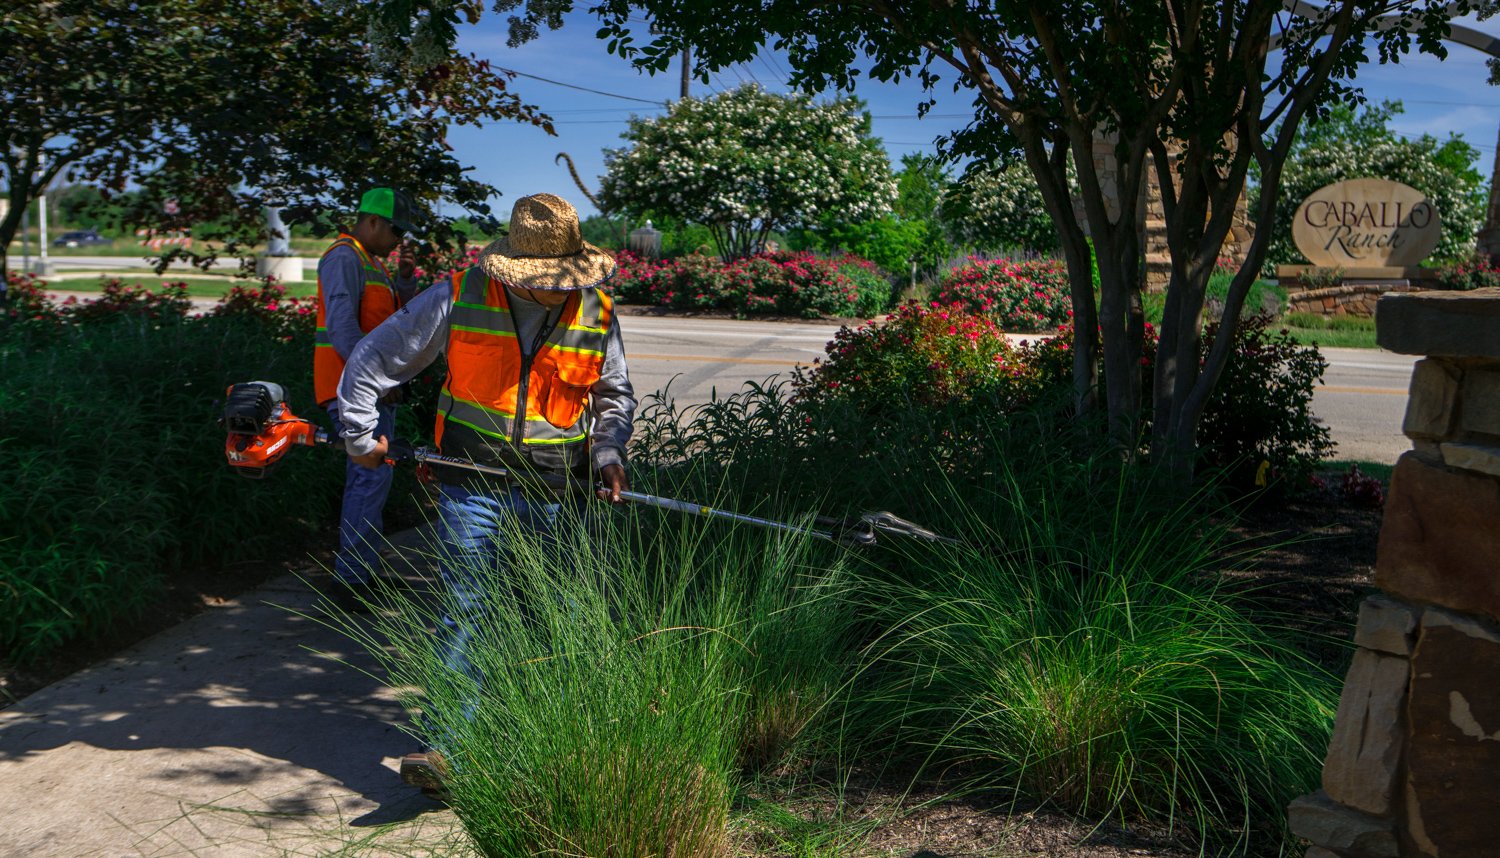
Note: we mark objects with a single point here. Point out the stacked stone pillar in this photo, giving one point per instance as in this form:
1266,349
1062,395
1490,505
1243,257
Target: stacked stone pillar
1413,768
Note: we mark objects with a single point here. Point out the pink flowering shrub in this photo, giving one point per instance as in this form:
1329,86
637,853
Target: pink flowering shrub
1361,489
1026,295
267,302
786,284
117,300
934,356
28,304
930,356
1476,272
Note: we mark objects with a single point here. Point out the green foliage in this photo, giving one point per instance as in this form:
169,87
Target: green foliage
999,207
747,162
1077,649
1345,145
622,701
1025,295
188,100
1261,410
920,185
924,356
1357,332
117,471
1475,272
889,243
1089,659
938,357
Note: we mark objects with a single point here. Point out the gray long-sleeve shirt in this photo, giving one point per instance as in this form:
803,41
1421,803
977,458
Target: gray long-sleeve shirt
342,280
409,341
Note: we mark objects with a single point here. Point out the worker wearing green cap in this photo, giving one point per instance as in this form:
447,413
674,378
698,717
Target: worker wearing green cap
355,293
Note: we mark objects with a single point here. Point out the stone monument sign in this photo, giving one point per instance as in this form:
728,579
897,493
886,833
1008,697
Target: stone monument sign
1364,223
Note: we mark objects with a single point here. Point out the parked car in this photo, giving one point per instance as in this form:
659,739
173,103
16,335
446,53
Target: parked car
80,238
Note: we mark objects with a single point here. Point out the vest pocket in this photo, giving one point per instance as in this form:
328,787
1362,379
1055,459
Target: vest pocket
567,394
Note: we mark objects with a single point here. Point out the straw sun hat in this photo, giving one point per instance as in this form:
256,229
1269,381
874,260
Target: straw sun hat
545,250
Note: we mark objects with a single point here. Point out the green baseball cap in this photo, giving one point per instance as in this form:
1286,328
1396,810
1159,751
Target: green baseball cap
390,204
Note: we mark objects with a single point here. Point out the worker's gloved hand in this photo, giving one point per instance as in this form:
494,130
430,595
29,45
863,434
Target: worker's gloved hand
614,480
376,457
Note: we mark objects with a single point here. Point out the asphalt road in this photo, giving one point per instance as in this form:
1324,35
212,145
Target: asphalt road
1362,399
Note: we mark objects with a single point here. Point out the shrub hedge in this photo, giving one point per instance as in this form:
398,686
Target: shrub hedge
114,459
1021,295
782,283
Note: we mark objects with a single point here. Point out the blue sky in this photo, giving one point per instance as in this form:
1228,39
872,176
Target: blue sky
1439,97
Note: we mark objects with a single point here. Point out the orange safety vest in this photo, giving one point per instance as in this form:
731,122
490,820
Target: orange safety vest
378,300
500,407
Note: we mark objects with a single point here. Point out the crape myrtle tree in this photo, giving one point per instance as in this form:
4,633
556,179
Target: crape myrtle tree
1349,145
999,206
747,162
1182,87
226,107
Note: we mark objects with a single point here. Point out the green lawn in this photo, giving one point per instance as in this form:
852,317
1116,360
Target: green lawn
1354,332
199,286
131,246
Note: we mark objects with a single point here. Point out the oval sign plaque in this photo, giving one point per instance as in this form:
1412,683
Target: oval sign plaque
1365,223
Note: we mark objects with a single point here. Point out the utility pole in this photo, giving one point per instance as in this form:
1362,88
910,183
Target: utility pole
685,76
44,268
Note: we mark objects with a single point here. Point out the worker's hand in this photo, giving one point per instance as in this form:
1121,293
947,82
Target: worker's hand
614,480
376,457
406,262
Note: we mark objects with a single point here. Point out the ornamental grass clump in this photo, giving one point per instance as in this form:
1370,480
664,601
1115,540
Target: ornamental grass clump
622,680
1080,651
1021,295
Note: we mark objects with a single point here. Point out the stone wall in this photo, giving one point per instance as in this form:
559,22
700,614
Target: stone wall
1345,299
1413,767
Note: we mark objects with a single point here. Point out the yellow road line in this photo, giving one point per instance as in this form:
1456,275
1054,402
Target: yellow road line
1331,388
1384,391
717,359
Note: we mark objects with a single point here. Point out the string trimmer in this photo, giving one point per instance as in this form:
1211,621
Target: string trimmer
262,429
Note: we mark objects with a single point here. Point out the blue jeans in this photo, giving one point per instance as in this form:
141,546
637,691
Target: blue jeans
362,519
472,528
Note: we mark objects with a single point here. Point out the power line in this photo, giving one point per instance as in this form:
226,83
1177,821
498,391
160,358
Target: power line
581,88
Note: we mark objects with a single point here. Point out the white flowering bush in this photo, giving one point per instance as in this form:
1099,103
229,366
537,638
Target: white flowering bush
995,207
747,162
1345,146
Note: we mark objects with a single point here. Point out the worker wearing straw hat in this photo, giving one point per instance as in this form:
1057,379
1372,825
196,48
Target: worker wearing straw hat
537,384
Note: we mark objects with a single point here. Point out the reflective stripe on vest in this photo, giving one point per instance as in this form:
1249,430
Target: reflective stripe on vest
481,400
378,300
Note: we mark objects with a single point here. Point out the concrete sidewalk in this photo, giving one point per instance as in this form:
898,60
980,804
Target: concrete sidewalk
247,730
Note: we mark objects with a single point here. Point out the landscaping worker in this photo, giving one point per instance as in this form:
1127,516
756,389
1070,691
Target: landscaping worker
355,294
537,383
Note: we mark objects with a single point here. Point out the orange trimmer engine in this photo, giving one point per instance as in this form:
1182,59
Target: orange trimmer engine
262,428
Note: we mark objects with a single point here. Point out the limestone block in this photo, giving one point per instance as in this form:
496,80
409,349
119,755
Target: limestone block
1453,744
1472,457
1452,324
1430,452
1386,625
1439,542
1331,825
1480,408
1364,754
1432,401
